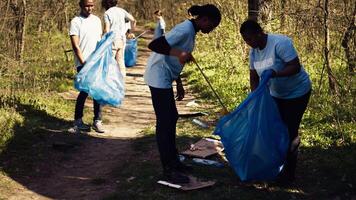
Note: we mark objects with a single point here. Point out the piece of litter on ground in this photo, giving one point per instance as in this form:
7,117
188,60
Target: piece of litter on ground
208,162
192,104
181,158
130,179
194,183
200,123
204,148
213,140
169,184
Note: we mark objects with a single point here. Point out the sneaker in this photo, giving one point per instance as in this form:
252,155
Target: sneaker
80,126
181,167
284,178
98,126
175,177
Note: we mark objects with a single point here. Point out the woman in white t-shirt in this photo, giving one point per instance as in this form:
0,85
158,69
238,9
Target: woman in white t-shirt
170,53
161,25
290,85
114,20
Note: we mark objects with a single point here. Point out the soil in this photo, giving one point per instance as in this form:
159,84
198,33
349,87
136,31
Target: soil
86,172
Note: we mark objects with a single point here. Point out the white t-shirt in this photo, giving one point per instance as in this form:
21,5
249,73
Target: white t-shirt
128,26
160,28
89,31
116,16
161,69
278,51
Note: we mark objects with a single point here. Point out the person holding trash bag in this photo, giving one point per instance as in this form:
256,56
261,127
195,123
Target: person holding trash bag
115,20
85,32
161,25
290,85
170,53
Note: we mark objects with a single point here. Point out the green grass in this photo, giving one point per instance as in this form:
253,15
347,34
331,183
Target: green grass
323,173
32,114
326,163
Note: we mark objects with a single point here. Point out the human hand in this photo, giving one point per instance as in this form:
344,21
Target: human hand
269,73
185,57
224,112
180,92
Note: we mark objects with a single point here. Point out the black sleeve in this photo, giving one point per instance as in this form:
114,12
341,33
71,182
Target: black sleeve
160,45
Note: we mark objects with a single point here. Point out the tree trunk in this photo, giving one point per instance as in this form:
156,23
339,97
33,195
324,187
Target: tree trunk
283,14
253,9
332,80
20,24
23,31
350,35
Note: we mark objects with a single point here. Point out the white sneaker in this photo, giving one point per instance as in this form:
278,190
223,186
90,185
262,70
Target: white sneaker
98,126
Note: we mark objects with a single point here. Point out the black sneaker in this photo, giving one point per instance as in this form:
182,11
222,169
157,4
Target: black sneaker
181,167
175,177
284,178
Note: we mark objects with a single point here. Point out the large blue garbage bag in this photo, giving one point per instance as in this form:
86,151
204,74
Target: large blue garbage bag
130,52
101,77
254,137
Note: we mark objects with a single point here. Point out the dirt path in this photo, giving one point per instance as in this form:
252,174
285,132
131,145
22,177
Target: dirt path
86,174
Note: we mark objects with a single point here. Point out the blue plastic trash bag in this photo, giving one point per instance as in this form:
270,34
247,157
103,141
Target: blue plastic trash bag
101,77
130,52
254,137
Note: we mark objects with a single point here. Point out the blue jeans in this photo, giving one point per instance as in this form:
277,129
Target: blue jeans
79,105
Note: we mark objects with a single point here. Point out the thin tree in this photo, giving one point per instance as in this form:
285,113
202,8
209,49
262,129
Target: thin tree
253,9
333,87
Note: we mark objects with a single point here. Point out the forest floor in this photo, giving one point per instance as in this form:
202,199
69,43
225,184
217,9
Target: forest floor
88,160
123,163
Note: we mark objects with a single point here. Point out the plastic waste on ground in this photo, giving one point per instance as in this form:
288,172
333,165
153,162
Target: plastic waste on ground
101,77
208,162
254,137
181,157
200,123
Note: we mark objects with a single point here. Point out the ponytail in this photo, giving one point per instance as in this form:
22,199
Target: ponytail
207,10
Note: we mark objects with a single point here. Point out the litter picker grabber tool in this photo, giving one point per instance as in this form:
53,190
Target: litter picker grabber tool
140,35
211,87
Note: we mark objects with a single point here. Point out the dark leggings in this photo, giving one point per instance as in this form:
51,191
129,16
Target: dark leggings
79,105
292,111
166,119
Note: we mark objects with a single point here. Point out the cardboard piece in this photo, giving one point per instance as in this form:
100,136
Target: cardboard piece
194,184
204,148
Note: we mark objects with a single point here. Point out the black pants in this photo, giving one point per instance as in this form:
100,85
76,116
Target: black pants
291,111
79,105
166,119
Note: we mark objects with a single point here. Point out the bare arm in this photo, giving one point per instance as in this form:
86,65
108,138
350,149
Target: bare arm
106,27
160,45
132,21
292,67
254,79
75,45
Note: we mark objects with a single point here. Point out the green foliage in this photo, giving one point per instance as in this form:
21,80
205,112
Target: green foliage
44,73
8,120
137,177
329,119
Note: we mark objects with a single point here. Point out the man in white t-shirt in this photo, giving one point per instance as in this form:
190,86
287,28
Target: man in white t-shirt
115,20
85,32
